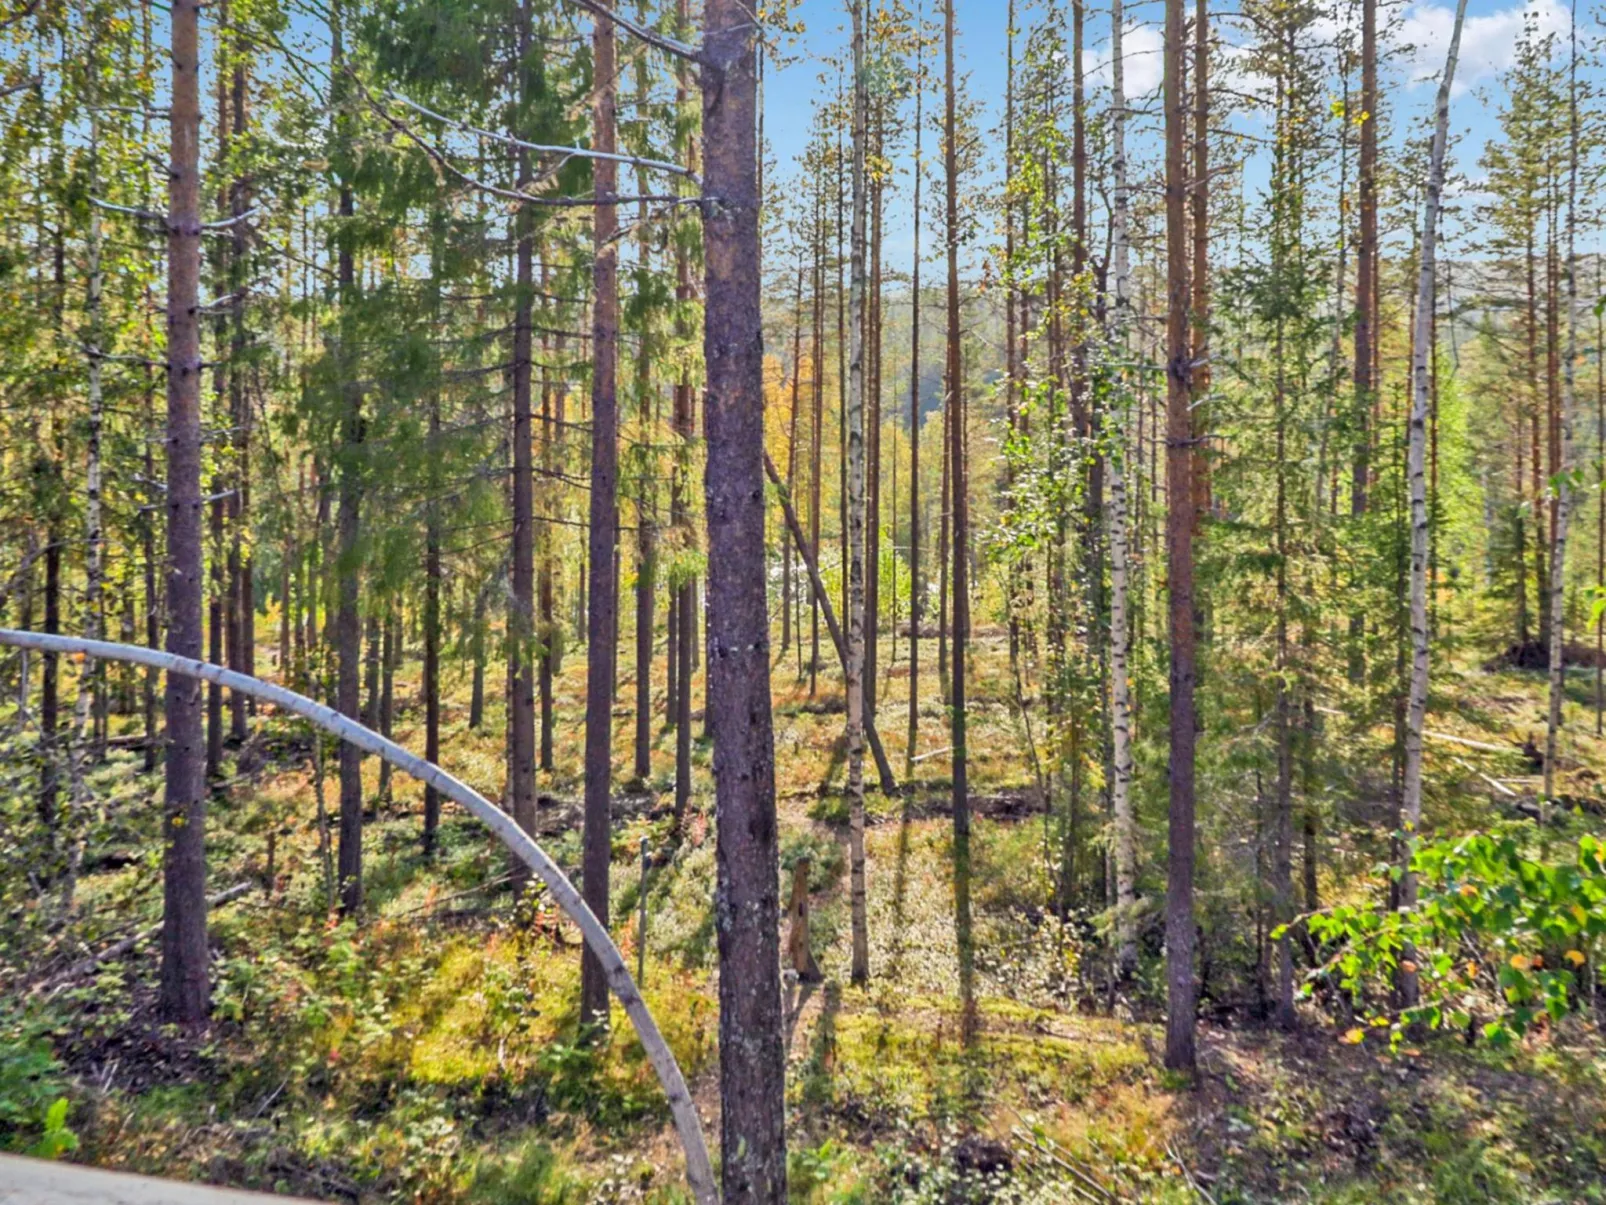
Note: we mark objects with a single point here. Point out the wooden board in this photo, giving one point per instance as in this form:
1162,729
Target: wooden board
42,1182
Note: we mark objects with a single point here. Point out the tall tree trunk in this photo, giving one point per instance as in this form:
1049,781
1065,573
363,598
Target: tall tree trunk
184,987
1417,704
50,693
917,590
601,631
752,1064
242,589
1564,435
521,612
855,409
432,628
1365,306
1199,190
348,622
1179,921
1125,853
961,564
791,455
872,420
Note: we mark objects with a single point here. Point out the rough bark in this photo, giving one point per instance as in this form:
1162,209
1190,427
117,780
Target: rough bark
1564,454
1179,920
752,1061
185,994
1125,852
855,409
348,622
960,525
601,620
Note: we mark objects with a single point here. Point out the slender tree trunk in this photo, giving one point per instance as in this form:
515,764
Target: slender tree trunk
547,633
50,695
752,1059
521,613
961,550
432,633
184,987
348,623
917,589
1179,924
601,632
856,506
791,456
1417,705
242,588
1199,196
1365,306
1564,435
1120,683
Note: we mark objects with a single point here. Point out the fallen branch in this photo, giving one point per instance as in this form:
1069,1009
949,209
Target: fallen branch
117,949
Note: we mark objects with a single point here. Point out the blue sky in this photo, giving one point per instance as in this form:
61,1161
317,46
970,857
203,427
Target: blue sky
1418,31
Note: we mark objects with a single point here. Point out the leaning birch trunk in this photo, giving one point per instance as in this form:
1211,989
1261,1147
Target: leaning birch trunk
698,1171
1417,705
1126,940
1563,484
856,473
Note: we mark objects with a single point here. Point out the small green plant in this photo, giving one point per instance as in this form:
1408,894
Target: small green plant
33,1103
1495,931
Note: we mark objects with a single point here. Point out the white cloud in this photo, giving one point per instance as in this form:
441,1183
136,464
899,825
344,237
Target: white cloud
1143,64
1488,42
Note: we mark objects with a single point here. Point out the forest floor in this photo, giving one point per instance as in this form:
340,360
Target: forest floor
430,1053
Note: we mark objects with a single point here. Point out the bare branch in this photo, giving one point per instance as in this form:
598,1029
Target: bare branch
652,38
566,151
144,215
226,223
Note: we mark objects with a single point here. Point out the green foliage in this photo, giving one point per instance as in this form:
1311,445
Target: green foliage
33,1101
1495,930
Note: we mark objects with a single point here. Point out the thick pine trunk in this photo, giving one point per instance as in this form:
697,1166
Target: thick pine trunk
752,1063
184,987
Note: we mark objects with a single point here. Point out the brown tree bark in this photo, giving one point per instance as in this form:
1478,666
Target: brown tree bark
961,550
747,919
521,613
1179,921
185,995
917,594
348,622
601,621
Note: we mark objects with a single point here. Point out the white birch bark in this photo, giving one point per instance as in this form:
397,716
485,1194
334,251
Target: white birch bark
1417,700
1116,515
